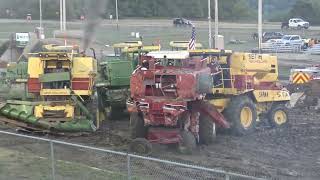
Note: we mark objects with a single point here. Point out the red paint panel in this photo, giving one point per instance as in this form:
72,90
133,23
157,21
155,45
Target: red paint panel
34,85
80,83
164,136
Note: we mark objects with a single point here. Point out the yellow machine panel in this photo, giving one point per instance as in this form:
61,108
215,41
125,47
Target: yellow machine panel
84,67
40,109
271,95
55,92
35,67
263,67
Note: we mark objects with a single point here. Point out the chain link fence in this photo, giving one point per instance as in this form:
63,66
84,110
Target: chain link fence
32,157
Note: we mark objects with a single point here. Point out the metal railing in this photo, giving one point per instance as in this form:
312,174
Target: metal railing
167,170
315,50
280,48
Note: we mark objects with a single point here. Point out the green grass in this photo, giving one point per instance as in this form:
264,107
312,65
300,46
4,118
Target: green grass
18,165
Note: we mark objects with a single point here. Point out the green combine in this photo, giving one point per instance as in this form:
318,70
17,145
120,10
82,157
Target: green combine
113,82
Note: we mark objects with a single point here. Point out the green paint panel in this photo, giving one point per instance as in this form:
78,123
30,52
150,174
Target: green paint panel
54,77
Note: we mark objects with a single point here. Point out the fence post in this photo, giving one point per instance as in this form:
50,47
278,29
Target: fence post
227,177
52,161
128,167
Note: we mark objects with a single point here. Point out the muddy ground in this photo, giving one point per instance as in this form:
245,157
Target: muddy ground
291,152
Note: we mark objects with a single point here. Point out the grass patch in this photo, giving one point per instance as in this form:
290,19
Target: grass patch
19,165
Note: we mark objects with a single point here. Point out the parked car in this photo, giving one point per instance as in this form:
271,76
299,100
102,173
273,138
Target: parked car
291,40
271,35
181,22
267,36
295,23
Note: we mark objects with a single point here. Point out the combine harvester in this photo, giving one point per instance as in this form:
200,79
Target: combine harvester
59,92
63,90
179,97
113,80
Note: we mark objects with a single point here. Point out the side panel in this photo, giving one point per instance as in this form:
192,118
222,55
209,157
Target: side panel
119,72
81,83
35,67
83,67
271,95
34,85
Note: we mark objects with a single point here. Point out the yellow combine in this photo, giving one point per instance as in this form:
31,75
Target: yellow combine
246,88
60,80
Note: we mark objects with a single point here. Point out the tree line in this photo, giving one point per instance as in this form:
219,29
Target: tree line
229,10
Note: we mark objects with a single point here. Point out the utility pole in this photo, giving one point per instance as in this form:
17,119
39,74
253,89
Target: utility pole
260,24
216,23
117,15
40,9
64,16
61,16
209,19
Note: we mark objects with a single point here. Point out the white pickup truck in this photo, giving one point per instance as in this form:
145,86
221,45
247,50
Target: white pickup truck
288,40
295,23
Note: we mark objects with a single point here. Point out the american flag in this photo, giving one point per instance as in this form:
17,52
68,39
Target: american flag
192,42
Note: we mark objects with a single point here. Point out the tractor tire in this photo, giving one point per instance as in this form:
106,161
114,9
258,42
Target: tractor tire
137,128
207,131
242,115
278,115
189,143
140,146
114,113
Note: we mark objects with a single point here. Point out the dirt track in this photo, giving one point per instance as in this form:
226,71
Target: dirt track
288,153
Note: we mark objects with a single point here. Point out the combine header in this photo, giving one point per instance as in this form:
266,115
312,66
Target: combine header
60,92
181,96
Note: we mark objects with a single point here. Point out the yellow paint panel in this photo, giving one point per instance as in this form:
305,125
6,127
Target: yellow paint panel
271,95
220,104
35,67
263,66
40,109
55,92
84,67
82,92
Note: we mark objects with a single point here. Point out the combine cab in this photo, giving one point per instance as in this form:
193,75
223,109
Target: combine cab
60,82
113,83
181,96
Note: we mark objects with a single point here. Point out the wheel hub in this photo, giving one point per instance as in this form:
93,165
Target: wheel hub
280,117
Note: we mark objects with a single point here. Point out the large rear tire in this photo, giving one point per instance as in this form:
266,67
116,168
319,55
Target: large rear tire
137,128
242,115
207,131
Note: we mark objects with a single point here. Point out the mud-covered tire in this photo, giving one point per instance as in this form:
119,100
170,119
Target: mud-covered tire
137,128
188,143
114,113
140,146
92,107
236,112
206,130
278,115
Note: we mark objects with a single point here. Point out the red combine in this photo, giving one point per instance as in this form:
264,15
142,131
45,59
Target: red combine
166,106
